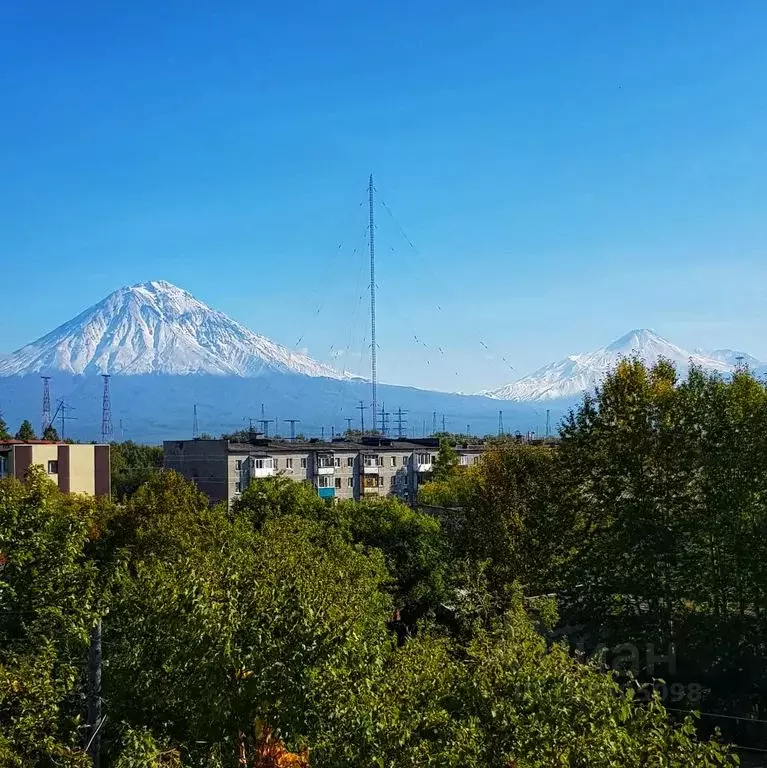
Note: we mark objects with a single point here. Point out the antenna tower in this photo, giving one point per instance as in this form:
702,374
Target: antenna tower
500,423
46,419
195,425
374,373
292,423
548,422
106,413
434,423
349,421
265,426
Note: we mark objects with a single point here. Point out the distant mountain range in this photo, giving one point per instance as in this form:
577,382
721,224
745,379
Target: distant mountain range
169,352
569,378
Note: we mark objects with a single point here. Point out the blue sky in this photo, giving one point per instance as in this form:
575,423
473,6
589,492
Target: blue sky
566,172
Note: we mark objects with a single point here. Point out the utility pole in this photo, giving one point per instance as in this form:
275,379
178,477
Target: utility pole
434,423
46,418
548,422
349,423
332,431
374,373
468,430
361,409
384,414
195,425
63,408
94,696
443,424
265,426
500,423
292,423
401,423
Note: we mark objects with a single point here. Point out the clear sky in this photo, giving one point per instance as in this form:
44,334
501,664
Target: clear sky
565,171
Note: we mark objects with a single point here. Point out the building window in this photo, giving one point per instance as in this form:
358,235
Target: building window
3,466
350,482
303,463
338,483
288,463
433,459
394,461
393,481
338,461
424,458
350,461
238,464
53,467
404,461
463,460
274,463
371,461
476,459
323,481
263,463
238,487
380,461
380,481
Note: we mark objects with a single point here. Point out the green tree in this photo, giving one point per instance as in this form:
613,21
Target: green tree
132,465
446,462
48,598
26,432
503,511
50,433
4,433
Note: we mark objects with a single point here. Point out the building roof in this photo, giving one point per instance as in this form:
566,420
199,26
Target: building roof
44,442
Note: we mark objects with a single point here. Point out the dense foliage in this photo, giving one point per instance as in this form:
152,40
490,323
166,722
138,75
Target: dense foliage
132,465
279,615
649,521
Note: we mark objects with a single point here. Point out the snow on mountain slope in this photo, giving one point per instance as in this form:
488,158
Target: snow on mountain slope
575,374
156,327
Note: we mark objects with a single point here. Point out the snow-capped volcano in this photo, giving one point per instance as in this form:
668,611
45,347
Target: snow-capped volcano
575,374
156,327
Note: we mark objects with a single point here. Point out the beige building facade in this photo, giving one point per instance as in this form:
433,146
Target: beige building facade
74,467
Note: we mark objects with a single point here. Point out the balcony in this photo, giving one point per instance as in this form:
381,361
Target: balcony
323,470
371,490
262,471
426,467
326,493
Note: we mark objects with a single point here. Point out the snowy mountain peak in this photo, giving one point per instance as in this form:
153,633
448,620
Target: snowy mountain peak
637,339
157,327
576,374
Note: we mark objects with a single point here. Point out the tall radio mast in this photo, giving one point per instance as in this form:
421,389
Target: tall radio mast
373,299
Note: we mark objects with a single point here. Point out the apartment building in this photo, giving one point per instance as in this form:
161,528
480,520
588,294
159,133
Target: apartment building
338,469
75,468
